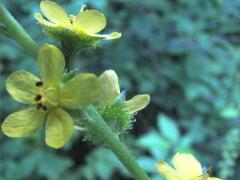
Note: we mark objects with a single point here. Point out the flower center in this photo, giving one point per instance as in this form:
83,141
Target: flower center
47,98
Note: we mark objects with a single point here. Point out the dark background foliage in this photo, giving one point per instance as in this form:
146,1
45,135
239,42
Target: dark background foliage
183,53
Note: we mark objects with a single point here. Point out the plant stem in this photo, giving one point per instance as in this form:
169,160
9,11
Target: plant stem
15,31
69,52
101,131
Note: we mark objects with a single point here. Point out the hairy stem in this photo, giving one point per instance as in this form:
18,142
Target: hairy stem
69,52
16,32
102,132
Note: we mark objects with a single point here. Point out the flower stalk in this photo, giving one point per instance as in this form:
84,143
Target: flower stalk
69,53
16,32
102,132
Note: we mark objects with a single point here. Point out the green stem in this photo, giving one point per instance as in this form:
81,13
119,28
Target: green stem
69,52
102,132
15,31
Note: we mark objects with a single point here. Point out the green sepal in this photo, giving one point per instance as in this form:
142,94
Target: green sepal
69,75
71,38
121,97
116,117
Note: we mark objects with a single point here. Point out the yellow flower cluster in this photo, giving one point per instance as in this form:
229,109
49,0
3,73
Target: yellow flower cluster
50,98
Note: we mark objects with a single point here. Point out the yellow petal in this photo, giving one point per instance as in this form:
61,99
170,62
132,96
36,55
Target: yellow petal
90,21
109,87
114,35
137,103
21,86
23,123
186,165
43,21
167,172
54,13
80,91
59,128
51,63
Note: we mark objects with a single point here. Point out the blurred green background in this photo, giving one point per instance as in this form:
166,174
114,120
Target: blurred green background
182,52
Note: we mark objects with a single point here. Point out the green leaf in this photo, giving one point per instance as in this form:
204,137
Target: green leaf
147,163
168,128
229,113
152,140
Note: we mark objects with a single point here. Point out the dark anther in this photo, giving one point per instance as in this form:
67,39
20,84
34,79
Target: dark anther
38,97
39,105
39,83
44,107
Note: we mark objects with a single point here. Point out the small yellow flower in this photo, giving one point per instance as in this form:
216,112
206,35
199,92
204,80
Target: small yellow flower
186,167
49,98
114,108
110,90
81,29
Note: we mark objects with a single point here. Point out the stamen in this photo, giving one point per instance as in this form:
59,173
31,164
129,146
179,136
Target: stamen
39,83
38,97
44,107
39,105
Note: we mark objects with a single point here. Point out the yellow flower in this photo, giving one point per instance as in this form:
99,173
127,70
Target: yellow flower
113,106
49,98
80,30
186,167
